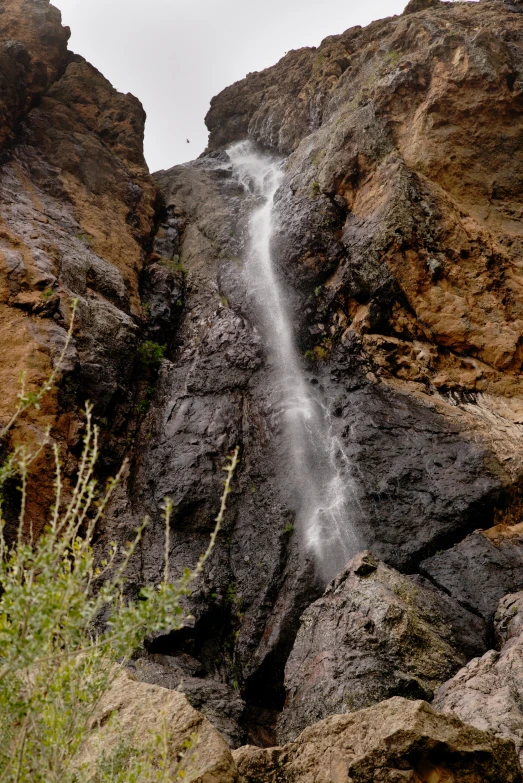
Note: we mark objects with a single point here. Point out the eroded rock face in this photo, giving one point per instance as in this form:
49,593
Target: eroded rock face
481,569
399,239
76,207
403,284
395,740
394,131
373,634
488,692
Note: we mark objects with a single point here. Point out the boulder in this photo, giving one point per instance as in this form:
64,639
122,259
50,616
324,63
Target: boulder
375,633
488,692
218,702
397,740
481,569
141,712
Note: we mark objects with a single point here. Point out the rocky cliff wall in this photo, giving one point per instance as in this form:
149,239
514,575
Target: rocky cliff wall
399,240
76,211
399,229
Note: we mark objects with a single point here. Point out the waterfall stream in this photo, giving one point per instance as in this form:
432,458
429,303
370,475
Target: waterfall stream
324,488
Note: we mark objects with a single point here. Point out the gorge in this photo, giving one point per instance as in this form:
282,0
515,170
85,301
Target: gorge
334,286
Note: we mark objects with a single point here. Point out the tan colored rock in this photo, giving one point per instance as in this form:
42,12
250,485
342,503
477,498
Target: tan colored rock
143,711
395,741
488,691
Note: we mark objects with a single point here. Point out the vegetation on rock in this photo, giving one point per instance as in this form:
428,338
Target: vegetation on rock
67,627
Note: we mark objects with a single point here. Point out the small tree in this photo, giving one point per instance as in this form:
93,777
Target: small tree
54,665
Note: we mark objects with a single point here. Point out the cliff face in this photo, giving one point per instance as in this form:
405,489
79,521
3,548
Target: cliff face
76,206
399,238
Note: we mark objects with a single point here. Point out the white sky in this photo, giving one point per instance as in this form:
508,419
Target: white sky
175,55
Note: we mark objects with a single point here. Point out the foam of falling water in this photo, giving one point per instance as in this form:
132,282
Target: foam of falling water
324,488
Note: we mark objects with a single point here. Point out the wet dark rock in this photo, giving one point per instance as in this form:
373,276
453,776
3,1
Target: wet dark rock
481,569
375,633
163,293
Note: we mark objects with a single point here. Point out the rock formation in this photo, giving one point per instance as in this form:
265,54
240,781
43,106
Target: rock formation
481,569
374,634
141,713
488,693
399,240
76,208
393,741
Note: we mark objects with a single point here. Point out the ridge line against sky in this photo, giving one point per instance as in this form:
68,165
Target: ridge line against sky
175,55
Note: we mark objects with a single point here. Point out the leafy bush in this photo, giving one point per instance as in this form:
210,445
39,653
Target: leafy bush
151,354
174,264
318,354
57,657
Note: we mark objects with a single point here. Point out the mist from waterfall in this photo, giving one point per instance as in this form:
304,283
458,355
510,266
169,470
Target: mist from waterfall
323,492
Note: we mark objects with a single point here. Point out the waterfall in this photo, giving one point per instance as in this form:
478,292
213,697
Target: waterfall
324,488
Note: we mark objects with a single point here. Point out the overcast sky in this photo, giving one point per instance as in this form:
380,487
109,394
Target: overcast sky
175,55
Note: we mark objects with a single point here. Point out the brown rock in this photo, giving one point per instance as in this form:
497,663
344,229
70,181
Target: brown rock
420,5
145,711
76,208
375,633
33,52
397,740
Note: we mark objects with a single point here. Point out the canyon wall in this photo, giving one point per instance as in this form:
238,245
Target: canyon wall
399,240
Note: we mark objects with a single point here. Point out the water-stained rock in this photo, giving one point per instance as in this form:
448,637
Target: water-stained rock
397,740
375,633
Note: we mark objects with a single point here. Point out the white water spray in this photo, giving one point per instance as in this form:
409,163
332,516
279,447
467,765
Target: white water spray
323,481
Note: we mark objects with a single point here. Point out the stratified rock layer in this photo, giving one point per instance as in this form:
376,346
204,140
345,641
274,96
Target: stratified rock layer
373,634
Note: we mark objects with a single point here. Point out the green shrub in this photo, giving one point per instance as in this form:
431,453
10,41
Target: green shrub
318,354
56,657
174,264
83,236
150,354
